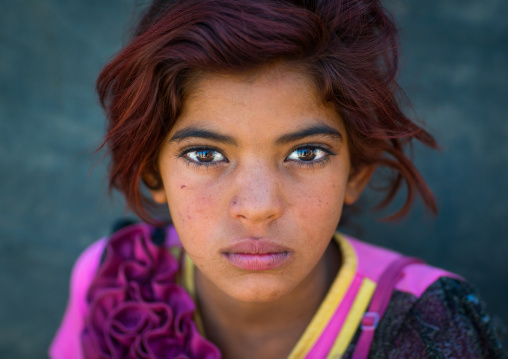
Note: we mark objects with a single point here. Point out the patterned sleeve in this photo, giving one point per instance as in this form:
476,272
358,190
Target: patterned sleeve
448,320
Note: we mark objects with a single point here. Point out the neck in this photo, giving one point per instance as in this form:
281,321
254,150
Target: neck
267,329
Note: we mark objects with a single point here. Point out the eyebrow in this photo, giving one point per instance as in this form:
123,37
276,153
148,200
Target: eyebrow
321,130
193,132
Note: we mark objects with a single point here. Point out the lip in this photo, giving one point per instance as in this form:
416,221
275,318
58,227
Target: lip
256,254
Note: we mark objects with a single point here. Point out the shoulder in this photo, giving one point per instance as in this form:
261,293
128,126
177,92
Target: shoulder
121,244
124,290
372,262
432,313
66,343
448,320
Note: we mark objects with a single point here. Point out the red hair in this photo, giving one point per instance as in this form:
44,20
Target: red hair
348,47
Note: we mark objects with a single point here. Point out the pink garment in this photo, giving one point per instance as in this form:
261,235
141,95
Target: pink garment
372,261
66,343
130,305
325,342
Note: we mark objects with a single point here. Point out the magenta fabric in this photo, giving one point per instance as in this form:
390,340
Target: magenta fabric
325,342
135,309
387,281
131,304
372,260
66,343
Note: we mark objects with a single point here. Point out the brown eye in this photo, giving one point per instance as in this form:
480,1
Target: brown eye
205,156
307,154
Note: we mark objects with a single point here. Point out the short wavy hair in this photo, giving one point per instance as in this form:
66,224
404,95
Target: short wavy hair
349,48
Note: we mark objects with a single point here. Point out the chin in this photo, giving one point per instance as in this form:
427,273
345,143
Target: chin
257,293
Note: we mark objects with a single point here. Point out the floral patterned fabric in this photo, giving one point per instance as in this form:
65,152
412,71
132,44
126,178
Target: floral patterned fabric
447,321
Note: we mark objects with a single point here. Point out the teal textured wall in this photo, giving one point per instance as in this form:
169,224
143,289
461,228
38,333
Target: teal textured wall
54,198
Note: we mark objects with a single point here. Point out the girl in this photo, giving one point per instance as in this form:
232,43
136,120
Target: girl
255,123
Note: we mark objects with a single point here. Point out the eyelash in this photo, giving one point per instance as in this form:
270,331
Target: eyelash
309,164
313,163
190,162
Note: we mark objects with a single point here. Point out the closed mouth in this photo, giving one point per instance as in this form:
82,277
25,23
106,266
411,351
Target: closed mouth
256,254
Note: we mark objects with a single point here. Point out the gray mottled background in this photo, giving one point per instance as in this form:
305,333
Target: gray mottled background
54,200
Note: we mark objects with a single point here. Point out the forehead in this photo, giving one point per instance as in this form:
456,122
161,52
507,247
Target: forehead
275,97
251,85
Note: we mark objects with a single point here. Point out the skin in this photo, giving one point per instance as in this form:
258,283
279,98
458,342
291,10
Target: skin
258,156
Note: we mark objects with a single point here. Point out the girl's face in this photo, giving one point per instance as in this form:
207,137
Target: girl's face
255,172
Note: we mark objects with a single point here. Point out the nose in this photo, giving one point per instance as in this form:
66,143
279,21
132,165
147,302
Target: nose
256,196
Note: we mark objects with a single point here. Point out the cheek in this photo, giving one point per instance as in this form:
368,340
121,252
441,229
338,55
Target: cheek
320,201
190,213
194,204
190,204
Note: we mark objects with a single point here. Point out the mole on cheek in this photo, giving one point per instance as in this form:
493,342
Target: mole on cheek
183,186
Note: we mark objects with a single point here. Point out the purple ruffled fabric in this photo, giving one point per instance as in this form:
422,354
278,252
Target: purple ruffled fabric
136,310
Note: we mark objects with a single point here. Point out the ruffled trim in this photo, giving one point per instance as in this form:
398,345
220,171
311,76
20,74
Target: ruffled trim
136,309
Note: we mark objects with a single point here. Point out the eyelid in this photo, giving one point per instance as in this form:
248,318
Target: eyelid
322,147
313,146
183,153
312,163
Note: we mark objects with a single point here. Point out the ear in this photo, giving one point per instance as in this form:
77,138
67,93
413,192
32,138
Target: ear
357,182
159,195
154,184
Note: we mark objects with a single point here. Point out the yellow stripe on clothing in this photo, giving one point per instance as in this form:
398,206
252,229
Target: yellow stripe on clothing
188,276
332,300
353,319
